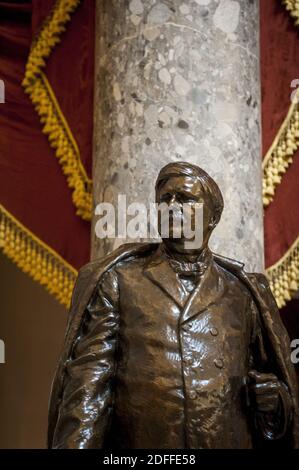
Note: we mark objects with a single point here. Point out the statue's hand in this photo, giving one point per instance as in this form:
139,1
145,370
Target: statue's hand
265,390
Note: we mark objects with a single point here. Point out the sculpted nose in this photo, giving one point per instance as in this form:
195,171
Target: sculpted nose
173,199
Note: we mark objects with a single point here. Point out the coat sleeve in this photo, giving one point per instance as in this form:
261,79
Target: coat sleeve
277,344
272,426
87,396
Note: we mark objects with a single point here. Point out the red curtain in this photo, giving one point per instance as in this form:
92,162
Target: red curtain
279,67
33,187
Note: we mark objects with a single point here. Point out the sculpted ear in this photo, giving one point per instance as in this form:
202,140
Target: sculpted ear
216,217
214,221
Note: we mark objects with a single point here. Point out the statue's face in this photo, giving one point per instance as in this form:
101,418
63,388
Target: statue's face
187,191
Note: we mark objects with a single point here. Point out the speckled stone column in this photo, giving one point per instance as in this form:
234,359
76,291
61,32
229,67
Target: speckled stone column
179,80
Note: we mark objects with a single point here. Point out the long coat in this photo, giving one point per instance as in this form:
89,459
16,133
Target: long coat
148,365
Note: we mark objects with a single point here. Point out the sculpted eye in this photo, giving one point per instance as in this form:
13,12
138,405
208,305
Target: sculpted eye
166,197
186,198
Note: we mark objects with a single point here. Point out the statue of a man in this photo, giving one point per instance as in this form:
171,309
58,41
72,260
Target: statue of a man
169,347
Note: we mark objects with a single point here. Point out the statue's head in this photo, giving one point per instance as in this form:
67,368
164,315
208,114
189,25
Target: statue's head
185,185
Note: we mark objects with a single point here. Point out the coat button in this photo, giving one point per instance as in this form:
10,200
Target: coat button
193,394
214,331
219,363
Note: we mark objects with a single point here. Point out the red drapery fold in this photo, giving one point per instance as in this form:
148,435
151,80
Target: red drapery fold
279,67
33,188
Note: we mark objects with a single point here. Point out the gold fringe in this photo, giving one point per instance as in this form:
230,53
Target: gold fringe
36,258
280,155
284,275
292,6
47,38
62,140
42,96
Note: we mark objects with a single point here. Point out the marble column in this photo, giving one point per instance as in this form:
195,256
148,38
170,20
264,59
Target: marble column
179,80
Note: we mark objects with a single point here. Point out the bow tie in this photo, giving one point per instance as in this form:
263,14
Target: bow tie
187,268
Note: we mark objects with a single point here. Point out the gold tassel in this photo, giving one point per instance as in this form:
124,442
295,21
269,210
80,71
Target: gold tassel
43,98
48,37
292,6
286,143
35,258
284,275
280,155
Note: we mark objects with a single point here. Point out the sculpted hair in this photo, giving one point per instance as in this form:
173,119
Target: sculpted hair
209,186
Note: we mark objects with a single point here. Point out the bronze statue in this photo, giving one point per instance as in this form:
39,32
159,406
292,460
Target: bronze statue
174,348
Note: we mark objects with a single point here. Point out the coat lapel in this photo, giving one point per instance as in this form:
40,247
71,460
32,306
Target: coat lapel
207,292
160,273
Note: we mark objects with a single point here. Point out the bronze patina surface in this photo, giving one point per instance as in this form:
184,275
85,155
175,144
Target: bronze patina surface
174,348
